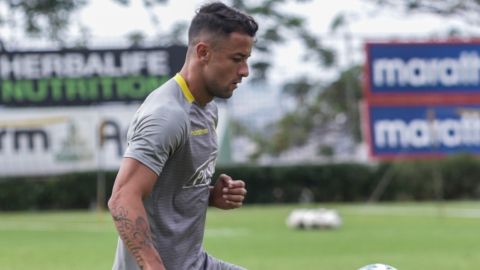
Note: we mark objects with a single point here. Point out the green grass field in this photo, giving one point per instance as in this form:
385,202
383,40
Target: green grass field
409,236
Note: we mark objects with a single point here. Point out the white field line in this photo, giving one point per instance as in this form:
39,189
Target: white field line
417,211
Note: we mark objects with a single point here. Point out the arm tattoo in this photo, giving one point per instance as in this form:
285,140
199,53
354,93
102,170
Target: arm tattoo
140,232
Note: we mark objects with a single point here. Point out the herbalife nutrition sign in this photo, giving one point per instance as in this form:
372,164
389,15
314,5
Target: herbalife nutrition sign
83,77
47,123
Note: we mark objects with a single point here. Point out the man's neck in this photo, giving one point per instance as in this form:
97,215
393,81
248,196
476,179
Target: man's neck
196,86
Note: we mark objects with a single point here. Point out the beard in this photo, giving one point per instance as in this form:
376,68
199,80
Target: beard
215,89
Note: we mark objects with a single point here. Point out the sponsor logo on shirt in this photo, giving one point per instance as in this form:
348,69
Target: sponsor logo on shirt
199,132
203,174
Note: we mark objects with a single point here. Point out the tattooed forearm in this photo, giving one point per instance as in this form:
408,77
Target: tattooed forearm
142,232
139,231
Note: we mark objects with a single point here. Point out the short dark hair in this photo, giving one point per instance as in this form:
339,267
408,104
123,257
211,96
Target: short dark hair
220,19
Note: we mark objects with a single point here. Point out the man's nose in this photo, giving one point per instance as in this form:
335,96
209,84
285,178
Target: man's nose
244,71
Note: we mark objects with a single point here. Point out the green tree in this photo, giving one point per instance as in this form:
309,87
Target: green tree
278,27
322,107
40,18
465,10
320,110
50,19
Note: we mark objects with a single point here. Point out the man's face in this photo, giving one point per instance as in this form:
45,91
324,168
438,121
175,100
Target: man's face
228,65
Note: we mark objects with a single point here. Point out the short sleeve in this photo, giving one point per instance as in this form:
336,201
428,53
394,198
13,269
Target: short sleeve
155,137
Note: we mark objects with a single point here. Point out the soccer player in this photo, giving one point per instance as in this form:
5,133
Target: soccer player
162,190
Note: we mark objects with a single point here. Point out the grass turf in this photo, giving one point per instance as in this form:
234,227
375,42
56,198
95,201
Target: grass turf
409,236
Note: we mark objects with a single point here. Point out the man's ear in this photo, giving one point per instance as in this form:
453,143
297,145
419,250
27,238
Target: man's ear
204,52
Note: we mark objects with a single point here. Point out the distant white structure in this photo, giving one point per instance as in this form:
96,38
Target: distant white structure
314,219
378,266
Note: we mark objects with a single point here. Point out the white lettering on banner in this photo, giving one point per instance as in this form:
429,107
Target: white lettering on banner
45,141
34,66
93,65
73,65
13,66
51,64
419,133
158,63
33,139
110,69
137,62
421,72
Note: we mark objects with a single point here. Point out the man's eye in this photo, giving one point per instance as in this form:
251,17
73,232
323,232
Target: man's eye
237,60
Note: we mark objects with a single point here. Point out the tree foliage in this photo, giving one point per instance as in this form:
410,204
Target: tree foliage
318,102
50,19
466,10
320,110
46,18
278,27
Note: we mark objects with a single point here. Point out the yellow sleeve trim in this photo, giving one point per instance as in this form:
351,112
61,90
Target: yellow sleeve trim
186,92
214,127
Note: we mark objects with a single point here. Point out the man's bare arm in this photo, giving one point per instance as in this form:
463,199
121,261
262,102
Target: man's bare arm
133,184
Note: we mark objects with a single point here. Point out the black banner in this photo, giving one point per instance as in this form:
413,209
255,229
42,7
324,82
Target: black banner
84,77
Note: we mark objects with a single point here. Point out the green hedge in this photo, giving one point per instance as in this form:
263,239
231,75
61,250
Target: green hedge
70,191
326,183
336,182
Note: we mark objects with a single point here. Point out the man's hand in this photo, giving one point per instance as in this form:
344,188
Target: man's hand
227,193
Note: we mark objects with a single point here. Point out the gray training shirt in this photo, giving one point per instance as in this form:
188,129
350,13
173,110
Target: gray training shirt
175,137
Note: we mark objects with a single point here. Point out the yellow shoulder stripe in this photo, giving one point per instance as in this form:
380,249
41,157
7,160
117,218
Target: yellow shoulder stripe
186,92
214,127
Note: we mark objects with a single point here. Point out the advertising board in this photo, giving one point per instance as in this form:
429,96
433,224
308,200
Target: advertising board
85,77
422,68
422,131
69,110
422,99
47,141
56,140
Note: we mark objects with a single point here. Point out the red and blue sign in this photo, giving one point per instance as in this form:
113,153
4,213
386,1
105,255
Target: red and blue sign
423,131
422,99
419,68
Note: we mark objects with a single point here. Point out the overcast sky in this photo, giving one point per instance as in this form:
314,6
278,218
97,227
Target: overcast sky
108,19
